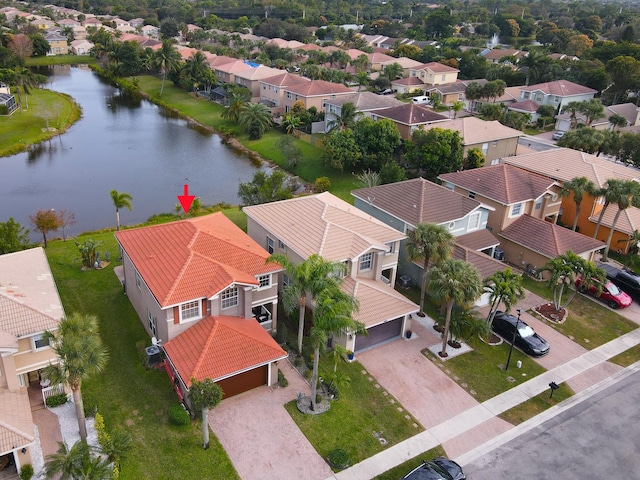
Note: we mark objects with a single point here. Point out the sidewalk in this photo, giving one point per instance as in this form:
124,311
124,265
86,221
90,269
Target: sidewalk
466,421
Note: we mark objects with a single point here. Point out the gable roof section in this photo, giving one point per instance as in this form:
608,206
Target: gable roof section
561,88
436,67
474,130
411,114
194,258
323,224
16,423
317,88
418,201
503,183
285,79
628,221
563,164
365,101
485,264
220,347
548,239
528,106
408,82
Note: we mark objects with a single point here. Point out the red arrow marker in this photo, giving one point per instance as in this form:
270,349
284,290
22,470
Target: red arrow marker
186,200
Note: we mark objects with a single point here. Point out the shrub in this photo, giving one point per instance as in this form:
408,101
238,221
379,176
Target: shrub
281,333
26,472
103,436
322,184
179,416
56,400
90,408
338,459
282,380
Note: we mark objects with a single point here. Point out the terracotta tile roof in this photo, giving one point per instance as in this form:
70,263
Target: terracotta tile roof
378,302
497,54
354,53
548,239
221,60
16,422
285,79
628,221
194,258
220,347
317,88
562,88
29,300
411,114
563,164
408,82
258,73
233,67
404,62
485,264
323,224
365,101
474,130
503,183
379,57
418,201
310,46
436,67
525,106
187,52
478,240
447,88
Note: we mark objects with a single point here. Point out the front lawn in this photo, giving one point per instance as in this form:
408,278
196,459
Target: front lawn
28,127
60,60
404,468
128,395
589,323
536,405
352,422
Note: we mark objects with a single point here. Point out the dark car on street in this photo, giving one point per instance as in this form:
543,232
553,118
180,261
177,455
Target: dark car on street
527,340
439,468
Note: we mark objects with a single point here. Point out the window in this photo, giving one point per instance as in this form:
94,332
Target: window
190,310
448,185
138,280
539,204
451,225
392,247
471,194
275,89
444,77
39,341
270,245
230,297
366,261
474,221
285,280
495,143
281,245
289,96
152,323
485,148
495,161
265,280
516,209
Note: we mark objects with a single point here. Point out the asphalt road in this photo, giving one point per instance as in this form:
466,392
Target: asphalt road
595,439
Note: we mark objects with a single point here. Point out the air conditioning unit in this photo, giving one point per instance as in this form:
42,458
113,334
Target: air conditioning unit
498,254
405,281
153,355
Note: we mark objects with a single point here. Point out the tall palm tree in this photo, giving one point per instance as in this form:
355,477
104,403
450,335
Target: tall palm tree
456,107
77,462
452,282
610,192
578,187
347,117
79,348
393,71
121,200
532,63
333,316
166,58
592,109
254,119
237,97
573,108
25,80
504,287
629,197
363,79
307,280
428,242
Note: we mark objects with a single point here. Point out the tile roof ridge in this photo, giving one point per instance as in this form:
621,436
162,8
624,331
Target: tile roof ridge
556,236
327,224
207,344
237,320
423,192
178,278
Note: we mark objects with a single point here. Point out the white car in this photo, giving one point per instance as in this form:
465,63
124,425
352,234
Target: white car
558,135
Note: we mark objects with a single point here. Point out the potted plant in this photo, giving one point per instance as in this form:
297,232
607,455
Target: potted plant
350,355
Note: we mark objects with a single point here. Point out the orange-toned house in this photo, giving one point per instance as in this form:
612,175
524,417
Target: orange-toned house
564,164
204,290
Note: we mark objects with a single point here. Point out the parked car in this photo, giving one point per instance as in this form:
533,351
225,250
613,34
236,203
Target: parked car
611,294
558,135
527,340
626,280
386,91
421,100
439,468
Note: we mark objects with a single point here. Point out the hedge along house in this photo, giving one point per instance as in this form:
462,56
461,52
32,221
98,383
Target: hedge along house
29,306
203,289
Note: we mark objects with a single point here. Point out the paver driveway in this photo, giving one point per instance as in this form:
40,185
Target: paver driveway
260,437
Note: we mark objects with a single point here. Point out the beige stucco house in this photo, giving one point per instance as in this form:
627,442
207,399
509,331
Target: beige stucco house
312,94
29,306
434,73
272,91
326,225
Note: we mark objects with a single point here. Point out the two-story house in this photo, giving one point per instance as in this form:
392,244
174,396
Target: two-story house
365,103
404,205
557,93
204,278
272,89
29,306
251,79
328,226
57,43
312,94
409,117
526,206
434,73
492,138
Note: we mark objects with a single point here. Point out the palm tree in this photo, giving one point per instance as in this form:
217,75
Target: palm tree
347,117
629,197
573,108
166,58
205,395
532,63
79,348
237,97
611,192
254,119
578,187
291,122
307,280
504,287
456,107
428,242
121,200
393,71
617,121
592,109
333,316
363,79
25,80
76,463
452,282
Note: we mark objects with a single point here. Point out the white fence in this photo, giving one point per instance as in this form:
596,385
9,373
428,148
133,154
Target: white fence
51,391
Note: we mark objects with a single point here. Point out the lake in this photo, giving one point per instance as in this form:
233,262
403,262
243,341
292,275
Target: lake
119,143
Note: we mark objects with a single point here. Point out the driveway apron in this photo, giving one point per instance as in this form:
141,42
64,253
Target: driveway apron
260,437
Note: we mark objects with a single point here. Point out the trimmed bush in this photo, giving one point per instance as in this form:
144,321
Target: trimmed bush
179,416
26,472
282,380
56,400
338,459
